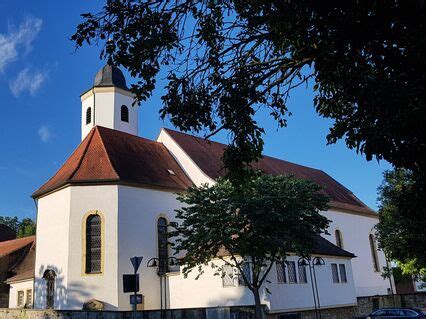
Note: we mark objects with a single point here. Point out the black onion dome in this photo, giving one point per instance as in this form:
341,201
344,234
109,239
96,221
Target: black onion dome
110,75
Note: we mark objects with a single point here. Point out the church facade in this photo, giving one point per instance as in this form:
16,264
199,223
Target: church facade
114,196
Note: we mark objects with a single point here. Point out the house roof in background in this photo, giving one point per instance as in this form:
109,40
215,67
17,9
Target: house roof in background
6,233
207,155
10,246
25,267
111,156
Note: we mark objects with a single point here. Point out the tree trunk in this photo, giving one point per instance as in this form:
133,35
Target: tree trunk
258,305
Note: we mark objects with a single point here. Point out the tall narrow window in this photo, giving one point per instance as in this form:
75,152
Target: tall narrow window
124,113
49,277
292,276
339,240
342,270
29,299
281,275
93,244
374,253
228,276
88,115
163,253
335,273
302,274
20,302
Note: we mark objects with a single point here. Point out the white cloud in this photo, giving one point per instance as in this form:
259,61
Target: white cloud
27,80
16,38
44,133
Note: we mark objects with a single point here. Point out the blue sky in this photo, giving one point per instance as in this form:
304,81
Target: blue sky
42,77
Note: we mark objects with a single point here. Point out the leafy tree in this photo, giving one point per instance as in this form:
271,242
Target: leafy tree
225,60
11,222
27,227
257,223
402,220
22,228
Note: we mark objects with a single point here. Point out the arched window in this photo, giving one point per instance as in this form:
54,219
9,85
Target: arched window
339,239
93,244
88,115
124,113
163,253
374,253
49,276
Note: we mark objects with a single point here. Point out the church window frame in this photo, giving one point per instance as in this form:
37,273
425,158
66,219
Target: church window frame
162,244
87,242
374,254
124,113
281,272
88,115
339,238
228,276
292,272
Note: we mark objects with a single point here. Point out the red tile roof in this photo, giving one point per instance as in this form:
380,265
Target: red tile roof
25,269
10,246
110,156
208,157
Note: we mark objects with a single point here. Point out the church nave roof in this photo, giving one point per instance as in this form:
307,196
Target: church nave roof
110,156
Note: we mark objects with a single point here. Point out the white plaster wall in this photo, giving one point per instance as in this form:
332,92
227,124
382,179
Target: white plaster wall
139,210
208,291
106,111
197,176
288,297
130,127
82,287
17,286
52,246
355,230
85,104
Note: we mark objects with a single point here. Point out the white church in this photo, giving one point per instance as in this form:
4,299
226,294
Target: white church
115,194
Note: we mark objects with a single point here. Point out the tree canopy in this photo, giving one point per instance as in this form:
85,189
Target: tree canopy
22,228
226,60
402,220
258,223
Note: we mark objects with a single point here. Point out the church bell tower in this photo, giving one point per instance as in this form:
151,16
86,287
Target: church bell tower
109,103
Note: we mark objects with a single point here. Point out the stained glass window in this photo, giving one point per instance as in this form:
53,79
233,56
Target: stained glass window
374,253
292,276
281,275
302,274
228,276
339,240
342,270
163,252
93,244
335,273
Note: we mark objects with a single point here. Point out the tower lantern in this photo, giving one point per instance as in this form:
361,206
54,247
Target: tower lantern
109,103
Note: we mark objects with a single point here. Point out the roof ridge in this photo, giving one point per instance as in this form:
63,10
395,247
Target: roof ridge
263,155
92,133
108,155
68,158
